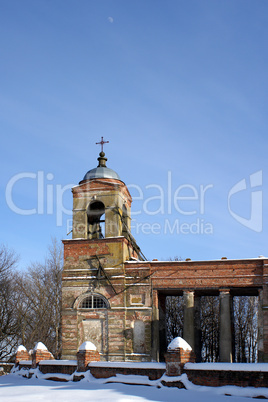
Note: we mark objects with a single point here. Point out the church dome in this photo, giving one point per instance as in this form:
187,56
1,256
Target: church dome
101,171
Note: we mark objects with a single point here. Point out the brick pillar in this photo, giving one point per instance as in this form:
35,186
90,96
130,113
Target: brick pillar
162,326
21,354
225,326
176,357
188,318
155,327
40,352
87,353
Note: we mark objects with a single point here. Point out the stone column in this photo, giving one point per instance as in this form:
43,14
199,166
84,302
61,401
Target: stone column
197,326
155,327
188,318
260,328
225,326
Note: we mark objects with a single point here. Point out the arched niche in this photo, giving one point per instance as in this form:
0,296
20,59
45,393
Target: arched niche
139,337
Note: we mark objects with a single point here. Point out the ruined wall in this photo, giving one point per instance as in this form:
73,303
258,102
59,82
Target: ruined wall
197,278
122,331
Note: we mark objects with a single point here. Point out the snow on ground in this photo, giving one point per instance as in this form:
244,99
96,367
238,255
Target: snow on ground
14,388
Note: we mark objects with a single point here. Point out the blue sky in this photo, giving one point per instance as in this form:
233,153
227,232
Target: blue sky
179,88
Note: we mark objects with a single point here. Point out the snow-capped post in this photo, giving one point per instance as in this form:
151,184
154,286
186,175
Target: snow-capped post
21,354
178,353
87,353
40,352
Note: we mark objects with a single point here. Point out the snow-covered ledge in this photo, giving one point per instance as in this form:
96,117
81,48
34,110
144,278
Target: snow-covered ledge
178,353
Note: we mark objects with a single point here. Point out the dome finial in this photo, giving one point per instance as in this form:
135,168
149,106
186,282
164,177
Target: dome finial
101,171
102,160
101,143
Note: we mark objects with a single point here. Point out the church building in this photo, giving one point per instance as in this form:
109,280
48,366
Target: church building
115,298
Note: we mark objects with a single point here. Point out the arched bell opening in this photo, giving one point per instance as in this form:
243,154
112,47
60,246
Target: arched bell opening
96,220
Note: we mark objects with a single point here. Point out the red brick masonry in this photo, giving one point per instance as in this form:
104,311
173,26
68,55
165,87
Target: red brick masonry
22,355
66,367
86,356
213,378
39,355
154,371
219,378
175,360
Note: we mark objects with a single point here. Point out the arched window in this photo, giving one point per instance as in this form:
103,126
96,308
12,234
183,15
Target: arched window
93,301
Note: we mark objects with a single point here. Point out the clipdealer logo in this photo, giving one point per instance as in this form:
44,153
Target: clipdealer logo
177,205
254,222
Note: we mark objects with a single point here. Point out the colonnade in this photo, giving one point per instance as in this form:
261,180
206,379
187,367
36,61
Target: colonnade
192,324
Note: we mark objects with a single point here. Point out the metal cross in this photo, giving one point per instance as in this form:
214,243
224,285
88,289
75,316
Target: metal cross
101,143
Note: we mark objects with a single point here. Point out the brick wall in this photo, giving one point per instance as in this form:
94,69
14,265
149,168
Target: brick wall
57,368
204,377
106,372
22,355
219,378
5,368
204,274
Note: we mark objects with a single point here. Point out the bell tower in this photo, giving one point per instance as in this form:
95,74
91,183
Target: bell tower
101,204
94,281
